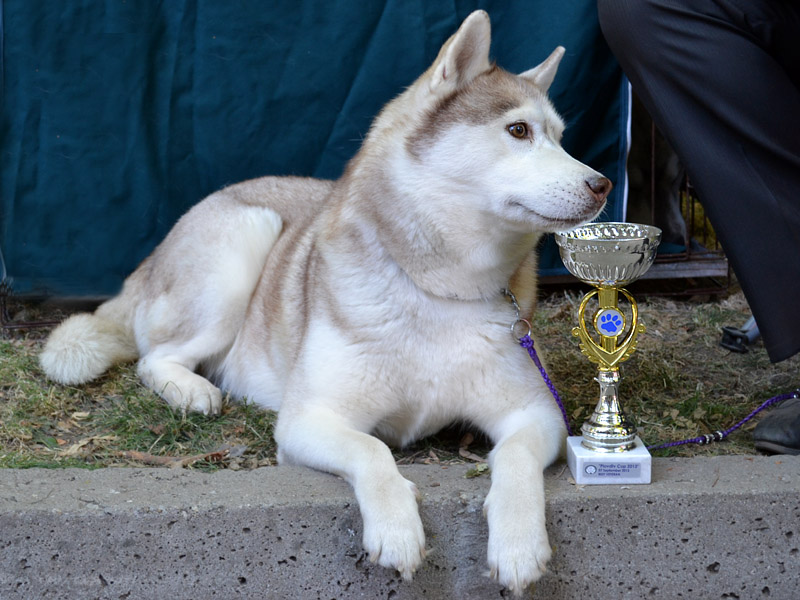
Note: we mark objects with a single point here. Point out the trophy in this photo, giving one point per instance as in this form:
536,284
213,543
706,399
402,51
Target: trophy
608,256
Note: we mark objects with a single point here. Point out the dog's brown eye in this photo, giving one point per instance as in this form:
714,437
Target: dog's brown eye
518,130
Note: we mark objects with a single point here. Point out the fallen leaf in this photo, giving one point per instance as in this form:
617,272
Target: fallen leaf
216,456
464,453
46,440
78,446
463,449
477,471
148,459
466,440
174,462
431,458
233,451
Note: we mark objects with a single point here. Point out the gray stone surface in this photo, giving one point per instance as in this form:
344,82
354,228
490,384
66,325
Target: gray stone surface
726,527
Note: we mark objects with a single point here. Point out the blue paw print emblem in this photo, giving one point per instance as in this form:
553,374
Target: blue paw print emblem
609,322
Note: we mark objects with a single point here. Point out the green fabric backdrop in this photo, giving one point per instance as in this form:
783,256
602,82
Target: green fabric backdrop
118,116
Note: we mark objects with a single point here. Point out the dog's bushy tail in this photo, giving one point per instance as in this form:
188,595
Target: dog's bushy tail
85,346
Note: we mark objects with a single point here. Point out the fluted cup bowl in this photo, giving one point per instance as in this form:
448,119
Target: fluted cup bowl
608,254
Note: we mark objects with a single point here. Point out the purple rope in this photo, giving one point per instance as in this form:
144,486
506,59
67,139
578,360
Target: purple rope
527,343
721,435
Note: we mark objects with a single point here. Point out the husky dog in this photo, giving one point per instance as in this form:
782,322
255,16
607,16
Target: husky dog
369,310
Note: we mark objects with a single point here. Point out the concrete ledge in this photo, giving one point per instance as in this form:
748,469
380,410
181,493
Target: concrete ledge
726,527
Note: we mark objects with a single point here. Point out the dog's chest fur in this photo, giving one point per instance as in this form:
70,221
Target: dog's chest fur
409,361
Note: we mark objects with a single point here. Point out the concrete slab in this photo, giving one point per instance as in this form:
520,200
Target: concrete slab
725,527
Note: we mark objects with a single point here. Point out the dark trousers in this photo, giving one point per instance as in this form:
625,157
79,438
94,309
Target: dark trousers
721,79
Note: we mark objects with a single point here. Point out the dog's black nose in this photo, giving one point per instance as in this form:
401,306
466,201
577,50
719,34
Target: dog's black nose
600,187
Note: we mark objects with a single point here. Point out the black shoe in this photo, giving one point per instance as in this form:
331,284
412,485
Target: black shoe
779,431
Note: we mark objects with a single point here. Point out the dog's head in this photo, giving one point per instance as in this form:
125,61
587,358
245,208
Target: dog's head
478,134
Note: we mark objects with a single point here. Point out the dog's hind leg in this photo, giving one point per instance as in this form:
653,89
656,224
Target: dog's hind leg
320,438
528,440
199,287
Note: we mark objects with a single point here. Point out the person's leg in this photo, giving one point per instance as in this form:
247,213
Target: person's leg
720,79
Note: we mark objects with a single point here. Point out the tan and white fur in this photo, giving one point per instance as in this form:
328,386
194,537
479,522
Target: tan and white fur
369,310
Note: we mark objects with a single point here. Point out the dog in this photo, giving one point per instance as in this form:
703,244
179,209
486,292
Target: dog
369,310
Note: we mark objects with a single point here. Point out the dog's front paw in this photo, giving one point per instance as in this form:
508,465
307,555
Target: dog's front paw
393,533
519,549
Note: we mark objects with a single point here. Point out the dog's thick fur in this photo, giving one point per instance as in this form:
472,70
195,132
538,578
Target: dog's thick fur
370,308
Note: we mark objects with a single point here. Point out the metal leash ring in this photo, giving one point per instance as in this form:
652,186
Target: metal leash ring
515,327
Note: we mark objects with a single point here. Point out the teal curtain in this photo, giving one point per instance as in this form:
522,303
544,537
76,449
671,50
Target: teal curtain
118,116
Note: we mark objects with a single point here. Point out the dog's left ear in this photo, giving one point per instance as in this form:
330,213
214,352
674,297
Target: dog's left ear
543,75
464,56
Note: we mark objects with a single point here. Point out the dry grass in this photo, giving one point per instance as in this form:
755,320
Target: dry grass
114,421
679,384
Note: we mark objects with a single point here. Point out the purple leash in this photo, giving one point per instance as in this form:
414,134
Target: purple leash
718,436
527,342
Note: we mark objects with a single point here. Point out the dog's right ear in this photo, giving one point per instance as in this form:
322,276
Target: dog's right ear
464,56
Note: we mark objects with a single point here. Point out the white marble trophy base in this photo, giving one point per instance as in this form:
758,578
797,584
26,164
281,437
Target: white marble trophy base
592,468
